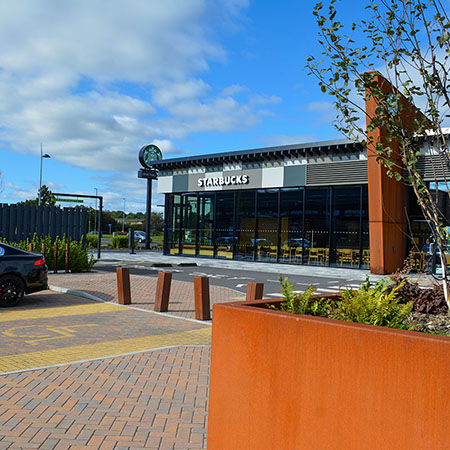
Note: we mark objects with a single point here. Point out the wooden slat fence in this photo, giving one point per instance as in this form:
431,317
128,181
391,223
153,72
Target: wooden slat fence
21,222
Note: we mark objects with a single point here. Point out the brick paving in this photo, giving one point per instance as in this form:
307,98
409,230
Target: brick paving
152,400
103,285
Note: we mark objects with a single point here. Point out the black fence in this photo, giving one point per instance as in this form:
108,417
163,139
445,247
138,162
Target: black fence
21,222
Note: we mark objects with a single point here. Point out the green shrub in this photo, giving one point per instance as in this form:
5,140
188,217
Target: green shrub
120,242
92,241
79,258
377,305
303,303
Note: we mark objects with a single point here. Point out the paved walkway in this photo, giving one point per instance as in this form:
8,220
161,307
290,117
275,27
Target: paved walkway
79,373
143,288
151,400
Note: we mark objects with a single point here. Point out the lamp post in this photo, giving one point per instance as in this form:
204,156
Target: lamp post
40,175
123,217
95,211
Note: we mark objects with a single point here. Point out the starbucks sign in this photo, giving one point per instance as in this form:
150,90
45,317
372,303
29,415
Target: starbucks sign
149,153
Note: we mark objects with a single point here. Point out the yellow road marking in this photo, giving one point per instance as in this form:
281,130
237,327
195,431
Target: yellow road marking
50,332
64,355
45,313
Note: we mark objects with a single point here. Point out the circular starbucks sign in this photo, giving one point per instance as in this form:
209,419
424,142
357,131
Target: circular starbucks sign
149,153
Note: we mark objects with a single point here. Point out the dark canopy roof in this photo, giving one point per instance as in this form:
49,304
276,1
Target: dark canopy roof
260,154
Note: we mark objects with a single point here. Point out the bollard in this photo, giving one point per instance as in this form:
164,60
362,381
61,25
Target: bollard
43,249
67,257
201,294
55,258
254,291
123,285
30,247
163,291
131,240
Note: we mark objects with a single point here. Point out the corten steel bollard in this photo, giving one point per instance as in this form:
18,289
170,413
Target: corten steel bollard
67,257
30,247
201,294
55,258
43,249
123,285
163,291
254,291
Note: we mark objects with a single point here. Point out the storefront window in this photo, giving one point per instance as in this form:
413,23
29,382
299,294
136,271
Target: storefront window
421,242
317,226
267,225
189,219
206,225
245,225
365,259
224,213
174,224
346,211
291,226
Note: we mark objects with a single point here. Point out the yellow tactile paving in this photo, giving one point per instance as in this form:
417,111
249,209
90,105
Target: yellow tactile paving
45,313
44,358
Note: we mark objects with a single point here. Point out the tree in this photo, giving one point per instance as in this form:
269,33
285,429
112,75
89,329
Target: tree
156,221
409,41
47,198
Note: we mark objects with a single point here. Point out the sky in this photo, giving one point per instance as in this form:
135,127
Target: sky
95,80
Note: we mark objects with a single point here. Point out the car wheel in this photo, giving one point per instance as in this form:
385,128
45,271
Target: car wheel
12,290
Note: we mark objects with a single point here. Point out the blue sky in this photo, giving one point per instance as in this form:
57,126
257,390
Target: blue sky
94,80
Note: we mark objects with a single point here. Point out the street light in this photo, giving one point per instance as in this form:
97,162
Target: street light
40,176
95,211
123,217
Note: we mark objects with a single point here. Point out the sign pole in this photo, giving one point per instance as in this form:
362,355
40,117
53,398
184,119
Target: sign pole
148,154
148,214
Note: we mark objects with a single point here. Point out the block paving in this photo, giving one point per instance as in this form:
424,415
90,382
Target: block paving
146,388
151,400
143,288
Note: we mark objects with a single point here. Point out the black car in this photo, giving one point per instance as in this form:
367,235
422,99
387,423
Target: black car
21,273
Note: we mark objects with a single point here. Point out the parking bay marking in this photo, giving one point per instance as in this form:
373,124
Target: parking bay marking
38,333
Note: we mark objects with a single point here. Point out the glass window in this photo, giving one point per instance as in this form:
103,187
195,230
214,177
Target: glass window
189,232
224,224
346,213
245,225
291,226
365,260
206,225
174,224
267,225
317,226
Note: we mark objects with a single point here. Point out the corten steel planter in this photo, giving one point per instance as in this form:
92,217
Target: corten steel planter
281,381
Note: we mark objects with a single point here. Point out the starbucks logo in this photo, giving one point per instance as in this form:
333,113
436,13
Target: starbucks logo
149,153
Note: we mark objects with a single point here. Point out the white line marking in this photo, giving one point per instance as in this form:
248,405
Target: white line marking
275,294
240,285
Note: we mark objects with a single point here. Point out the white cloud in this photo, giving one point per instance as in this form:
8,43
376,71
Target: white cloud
94,80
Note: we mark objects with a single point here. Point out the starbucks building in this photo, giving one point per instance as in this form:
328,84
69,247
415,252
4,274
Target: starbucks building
298,204
324,203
